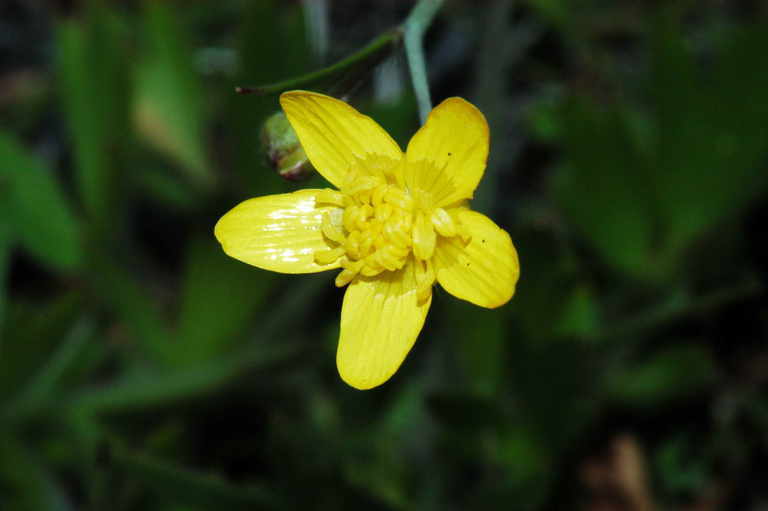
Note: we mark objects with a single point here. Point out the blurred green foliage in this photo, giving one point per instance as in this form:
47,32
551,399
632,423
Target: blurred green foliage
140,368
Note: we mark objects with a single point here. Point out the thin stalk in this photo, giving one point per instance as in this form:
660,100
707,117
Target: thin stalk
376,50
415,26
411,32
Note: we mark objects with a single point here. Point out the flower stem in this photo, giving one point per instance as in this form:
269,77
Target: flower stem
411,32
375,51
415,26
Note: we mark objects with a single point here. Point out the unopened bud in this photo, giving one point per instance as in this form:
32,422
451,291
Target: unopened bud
284,150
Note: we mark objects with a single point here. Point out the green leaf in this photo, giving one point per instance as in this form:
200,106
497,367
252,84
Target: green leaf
554,301
185,486
166,188
670,374
710,154
220,297
40,211
37,328
144,389
27,485
91,61
580,315
46,382
6,243
604,187
119,288
524,454
466,413
168,109
557,11
682,466
481,337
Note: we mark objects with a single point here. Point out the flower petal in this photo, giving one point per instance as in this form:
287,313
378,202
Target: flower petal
277,232
455,141
336,137
380,320
484,271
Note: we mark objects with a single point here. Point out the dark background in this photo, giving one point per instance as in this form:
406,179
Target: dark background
140,368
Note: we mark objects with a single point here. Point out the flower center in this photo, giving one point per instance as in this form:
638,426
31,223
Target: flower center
379,226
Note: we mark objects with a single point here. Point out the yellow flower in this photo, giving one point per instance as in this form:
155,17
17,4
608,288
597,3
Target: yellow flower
395,224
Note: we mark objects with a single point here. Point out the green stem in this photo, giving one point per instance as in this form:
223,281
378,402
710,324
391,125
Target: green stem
414,27
376,51
412,32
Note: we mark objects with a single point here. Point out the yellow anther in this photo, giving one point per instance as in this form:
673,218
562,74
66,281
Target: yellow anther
383,211
407,222
333,197
350,217
366,243
330,231
364,213
399,251
352,245
424,238
371,268
443,223
375,226
399,198
393,263
380,227
323,257
386,259
350,271
364,197
377,198
396,232
345,277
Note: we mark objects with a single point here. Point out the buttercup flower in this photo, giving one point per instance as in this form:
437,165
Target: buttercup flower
395,224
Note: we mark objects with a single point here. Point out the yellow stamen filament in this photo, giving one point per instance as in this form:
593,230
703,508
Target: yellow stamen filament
328,256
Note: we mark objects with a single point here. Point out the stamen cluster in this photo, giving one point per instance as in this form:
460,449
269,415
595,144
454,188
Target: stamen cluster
379,225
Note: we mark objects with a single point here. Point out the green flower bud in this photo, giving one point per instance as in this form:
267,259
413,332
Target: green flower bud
284,150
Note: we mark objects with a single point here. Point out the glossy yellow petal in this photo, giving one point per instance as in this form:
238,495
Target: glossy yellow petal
336,137
454,142
277,232
380,320
483,272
